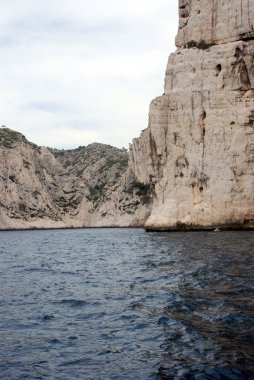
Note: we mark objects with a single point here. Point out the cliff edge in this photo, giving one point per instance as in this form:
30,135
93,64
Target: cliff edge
197,154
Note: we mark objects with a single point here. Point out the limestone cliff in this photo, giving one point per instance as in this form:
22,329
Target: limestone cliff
216,21
86,187
197,153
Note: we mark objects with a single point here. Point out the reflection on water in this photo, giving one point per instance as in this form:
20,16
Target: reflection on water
125,304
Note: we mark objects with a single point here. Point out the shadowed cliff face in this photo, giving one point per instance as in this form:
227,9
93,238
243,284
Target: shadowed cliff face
197,152
88,186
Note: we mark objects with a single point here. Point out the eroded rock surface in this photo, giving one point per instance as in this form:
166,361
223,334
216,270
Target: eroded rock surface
197,153
216,21
86,187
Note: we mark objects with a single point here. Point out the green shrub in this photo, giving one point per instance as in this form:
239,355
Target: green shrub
202,44
142,188
191,44
22,207
96,192
120,161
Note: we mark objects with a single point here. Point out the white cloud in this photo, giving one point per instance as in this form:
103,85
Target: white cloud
75,71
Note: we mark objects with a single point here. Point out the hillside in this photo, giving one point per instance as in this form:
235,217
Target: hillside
89,186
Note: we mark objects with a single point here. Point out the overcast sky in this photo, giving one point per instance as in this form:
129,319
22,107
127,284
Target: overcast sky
73,72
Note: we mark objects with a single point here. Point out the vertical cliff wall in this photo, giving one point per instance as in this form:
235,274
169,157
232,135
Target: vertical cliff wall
197,153
216,21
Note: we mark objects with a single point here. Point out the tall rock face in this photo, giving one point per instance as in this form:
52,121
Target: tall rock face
197,153
86,187
216,21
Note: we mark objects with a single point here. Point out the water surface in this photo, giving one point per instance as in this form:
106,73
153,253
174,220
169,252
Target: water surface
126,304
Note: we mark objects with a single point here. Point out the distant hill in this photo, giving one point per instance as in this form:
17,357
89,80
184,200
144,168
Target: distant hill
91,186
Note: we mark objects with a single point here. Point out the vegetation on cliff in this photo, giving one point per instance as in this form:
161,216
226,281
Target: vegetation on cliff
90,185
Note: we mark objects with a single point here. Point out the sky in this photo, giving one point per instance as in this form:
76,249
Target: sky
74,72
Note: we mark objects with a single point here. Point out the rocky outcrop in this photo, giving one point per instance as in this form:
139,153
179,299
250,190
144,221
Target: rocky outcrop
197,153
215,21
86,187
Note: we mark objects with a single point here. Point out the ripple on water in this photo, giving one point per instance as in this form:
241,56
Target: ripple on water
74,303
124,304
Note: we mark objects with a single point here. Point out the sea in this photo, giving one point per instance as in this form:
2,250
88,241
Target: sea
126,304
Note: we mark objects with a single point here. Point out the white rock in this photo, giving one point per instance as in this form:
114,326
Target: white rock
198,150
37,191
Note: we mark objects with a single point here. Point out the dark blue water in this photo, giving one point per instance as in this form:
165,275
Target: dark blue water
126,304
